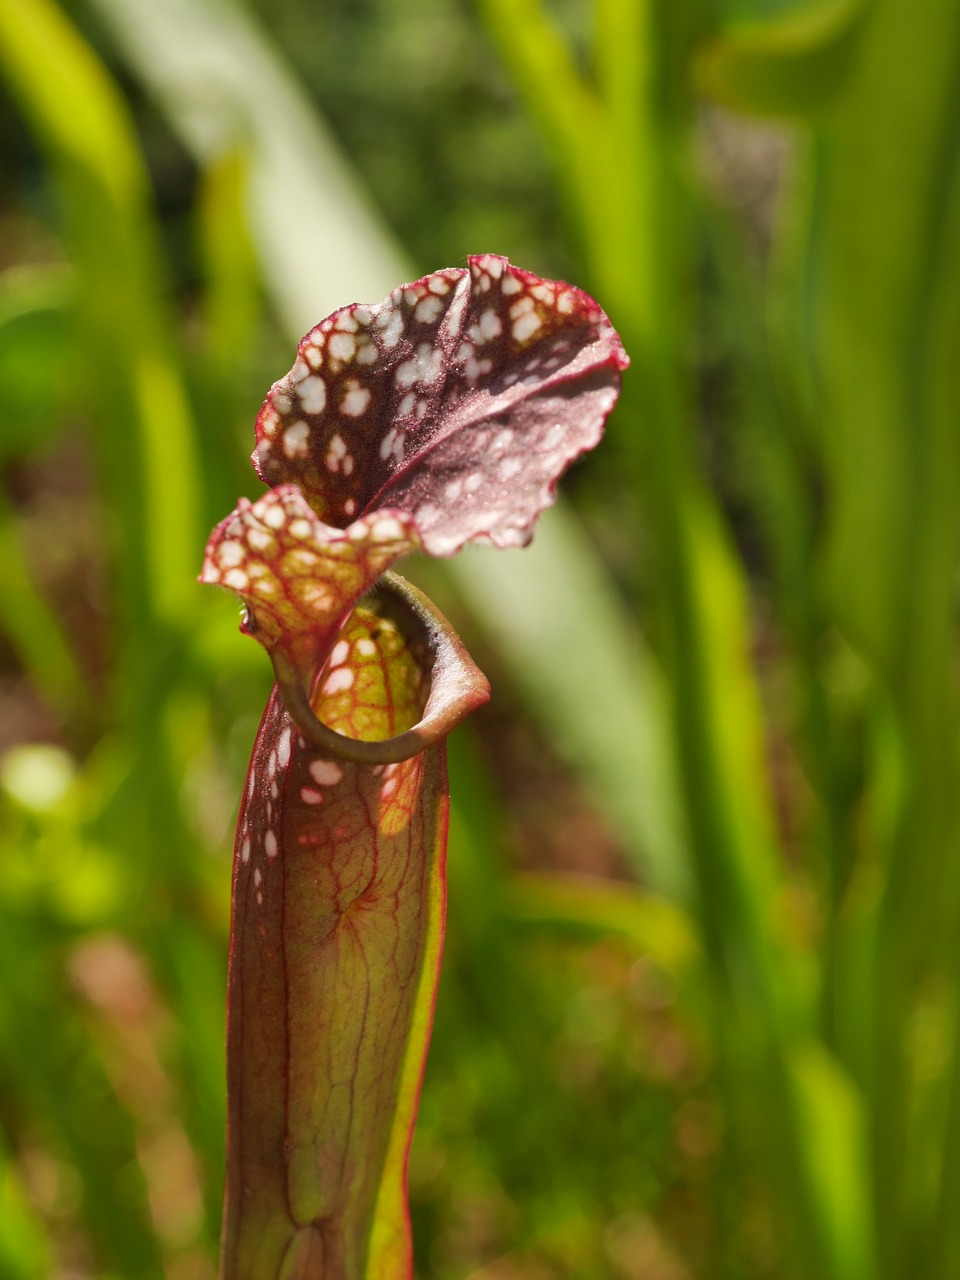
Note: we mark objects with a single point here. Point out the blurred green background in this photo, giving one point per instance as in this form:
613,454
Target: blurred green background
699,1013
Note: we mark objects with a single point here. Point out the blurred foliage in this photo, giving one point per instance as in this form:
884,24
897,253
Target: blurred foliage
700,1004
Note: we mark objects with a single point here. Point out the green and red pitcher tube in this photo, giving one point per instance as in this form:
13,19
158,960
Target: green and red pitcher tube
443,415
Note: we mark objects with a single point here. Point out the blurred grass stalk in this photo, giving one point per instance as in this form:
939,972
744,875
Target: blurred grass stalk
873,273
878,264
147,460
640,255
868,325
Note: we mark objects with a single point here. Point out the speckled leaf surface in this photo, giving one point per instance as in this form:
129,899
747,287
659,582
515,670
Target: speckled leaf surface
300,577
442,415
337,922
459,399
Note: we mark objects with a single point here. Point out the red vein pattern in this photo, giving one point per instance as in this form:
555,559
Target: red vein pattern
299,577
442,415
337,917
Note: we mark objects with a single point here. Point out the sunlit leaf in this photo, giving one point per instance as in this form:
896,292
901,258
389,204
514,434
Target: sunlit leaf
338,916
460,398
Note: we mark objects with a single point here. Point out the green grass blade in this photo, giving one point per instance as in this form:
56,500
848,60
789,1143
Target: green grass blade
148,467
659,930
225,90
879,280
32,627
24,1251
565,106
762,1010
83,124
795,63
